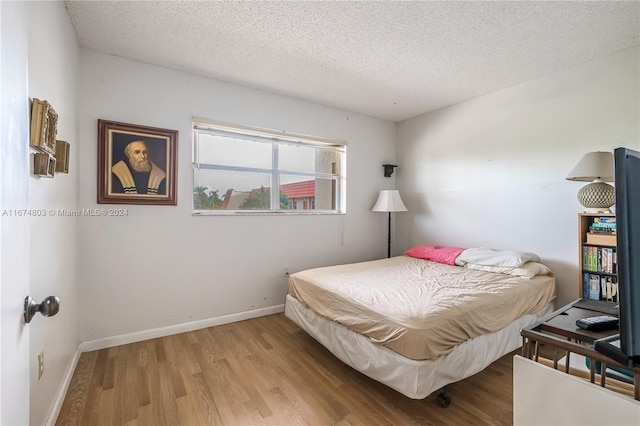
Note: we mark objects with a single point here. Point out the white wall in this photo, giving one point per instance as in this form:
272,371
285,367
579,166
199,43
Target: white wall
53,72
161,266
491,171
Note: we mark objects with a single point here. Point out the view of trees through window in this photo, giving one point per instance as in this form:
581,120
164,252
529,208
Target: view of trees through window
204,199
234,170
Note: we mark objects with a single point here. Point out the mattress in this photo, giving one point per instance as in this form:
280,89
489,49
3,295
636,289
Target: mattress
420,309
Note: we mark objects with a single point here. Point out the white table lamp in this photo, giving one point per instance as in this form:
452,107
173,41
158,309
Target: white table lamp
597,168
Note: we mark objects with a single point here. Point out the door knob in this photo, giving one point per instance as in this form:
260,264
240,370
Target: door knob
49,307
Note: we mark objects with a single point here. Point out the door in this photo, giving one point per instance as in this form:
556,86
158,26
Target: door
14,225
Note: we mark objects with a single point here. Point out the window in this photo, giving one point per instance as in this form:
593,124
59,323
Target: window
235,168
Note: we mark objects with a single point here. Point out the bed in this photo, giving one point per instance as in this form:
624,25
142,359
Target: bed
421,321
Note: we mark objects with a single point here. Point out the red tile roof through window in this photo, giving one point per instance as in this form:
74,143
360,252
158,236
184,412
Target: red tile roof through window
299,189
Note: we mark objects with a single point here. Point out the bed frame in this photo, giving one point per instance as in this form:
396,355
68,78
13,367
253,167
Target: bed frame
415,379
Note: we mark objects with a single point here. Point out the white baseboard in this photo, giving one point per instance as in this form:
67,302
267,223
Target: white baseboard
62,391
94,345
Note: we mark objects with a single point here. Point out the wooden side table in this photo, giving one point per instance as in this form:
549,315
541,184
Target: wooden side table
560,332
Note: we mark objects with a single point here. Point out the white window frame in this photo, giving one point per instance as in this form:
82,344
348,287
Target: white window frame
275,137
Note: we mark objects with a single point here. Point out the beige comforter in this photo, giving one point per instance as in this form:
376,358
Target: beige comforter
418,308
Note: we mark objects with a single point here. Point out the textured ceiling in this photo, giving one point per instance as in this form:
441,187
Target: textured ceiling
392,60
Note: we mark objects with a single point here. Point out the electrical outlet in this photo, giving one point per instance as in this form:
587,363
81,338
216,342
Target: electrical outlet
40,364
286,271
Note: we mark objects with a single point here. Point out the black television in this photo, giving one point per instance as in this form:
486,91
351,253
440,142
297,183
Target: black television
627,184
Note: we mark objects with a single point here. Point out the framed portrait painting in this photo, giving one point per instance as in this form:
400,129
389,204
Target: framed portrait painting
136,164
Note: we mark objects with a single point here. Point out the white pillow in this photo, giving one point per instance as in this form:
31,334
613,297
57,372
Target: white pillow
490,257
528,270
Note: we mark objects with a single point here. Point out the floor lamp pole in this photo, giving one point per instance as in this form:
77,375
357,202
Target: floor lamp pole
389,236
389,201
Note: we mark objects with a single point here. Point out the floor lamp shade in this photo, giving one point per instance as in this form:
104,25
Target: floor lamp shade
597,168
389,201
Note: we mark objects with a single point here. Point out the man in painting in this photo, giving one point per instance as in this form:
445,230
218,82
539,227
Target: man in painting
138,174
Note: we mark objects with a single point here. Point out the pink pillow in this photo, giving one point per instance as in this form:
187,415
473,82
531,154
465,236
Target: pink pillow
440,254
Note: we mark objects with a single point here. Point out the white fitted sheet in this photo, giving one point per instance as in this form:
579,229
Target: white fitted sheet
413,378
418,308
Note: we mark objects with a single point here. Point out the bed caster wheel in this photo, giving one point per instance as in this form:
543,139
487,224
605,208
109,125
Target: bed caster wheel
444,400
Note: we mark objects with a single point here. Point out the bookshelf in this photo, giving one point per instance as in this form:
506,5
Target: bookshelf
597,256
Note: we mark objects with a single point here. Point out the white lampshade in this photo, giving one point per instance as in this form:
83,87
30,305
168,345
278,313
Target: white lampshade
592,166
597,168
389,201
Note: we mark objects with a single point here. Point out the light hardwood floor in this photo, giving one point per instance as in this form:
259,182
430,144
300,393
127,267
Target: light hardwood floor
261,371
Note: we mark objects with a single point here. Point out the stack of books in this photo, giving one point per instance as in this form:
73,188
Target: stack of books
602,231
599,264
603,225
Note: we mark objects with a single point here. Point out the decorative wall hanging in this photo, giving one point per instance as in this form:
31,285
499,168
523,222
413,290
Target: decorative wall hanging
44,164
44,127
136,164
62,156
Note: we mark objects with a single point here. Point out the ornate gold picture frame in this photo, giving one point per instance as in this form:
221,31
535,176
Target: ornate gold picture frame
44,127
136,164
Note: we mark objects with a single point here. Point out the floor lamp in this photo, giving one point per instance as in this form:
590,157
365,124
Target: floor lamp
389,201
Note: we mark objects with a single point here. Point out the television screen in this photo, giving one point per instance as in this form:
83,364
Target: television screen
627,181
625,347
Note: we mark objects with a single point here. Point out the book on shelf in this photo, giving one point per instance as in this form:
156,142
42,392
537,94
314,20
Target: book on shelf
602,230
600,287
611,262
603,225
610,293
594,287
586,284
614,290
604,219
593,230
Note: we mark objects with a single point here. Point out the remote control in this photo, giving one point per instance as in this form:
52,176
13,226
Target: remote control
599,323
